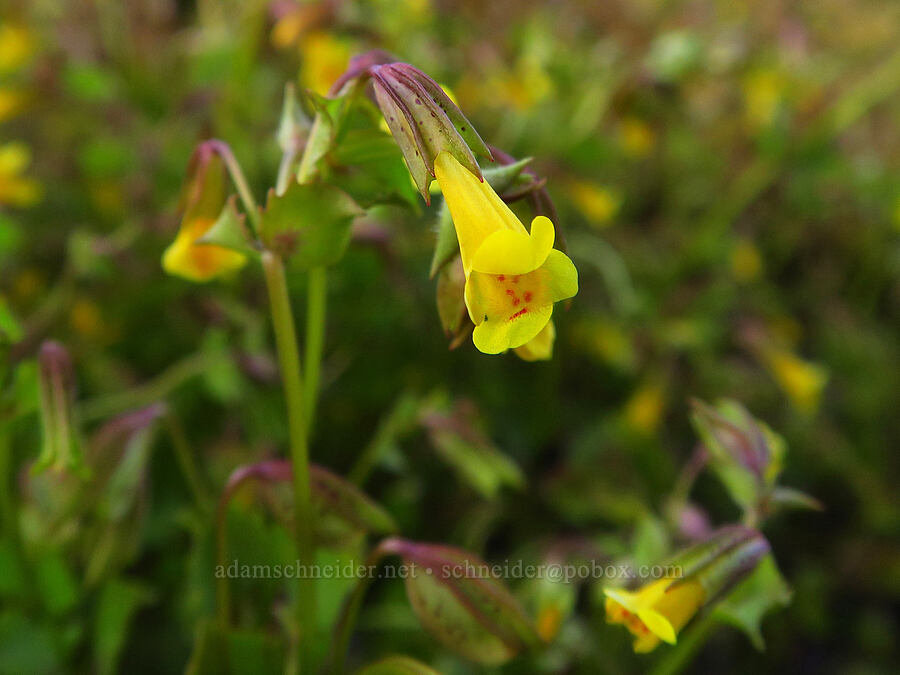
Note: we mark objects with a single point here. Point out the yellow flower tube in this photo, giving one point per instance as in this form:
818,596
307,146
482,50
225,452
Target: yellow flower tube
655,612
513,277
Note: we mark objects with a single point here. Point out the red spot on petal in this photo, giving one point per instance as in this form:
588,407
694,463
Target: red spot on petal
515,302
518,314
501,277
528,296
510,291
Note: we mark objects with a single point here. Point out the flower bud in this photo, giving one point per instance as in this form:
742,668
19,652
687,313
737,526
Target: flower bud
61,443
424,122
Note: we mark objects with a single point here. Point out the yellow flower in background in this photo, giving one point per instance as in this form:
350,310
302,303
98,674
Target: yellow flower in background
323,59
801,380
548,622
16,189
599,204
202,202
16,47
513,277
643,411
655,612
636,137
540,348
763,95
746,261
199,262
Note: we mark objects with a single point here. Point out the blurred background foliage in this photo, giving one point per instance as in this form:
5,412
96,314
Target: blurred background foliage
727,174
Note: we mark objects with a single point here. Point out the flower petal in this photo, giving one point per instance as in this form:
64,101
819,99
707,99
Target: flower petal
498,335
511,252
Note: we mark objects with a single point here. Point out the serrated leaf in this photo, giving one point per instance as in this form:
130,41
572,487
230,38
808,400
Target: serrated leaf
397,665
764,590
459,601
309,223
230,230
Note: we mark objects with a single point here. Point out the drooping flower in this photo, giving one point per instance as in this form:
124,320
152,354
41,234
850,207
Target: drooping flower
701,574
513,276
203,200
655,612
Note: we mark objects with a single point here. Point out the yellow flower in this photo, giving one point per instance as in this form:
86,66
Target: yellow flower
655,612
15,189
16,47
801,380
324,59
513,277
598,203
540,348
636,137
746,262
202,202
763,95
199,262
644,409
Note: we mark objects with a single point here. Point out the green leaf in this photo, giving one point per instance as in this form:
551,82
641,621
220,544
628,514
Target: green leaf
118,602
335,495
786,497
397,665
447,244
236,652
12,577
230,230
26,647
55,583
477,461
310,223
369,166
764,590
459,601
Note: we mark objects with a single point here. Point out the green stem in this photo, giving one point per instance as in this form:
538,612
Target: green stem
316,297
240,182
349,612
223,591
185,456
150,392
289,360
8,525
681,656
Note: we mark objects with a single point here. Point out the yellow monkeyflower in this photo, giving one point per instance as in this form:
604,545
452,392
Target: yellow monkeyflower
513,277
643,411
746,261
598,203
203,202
655,612
199,262
636,137
16,189
324,59
801,380
16,47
